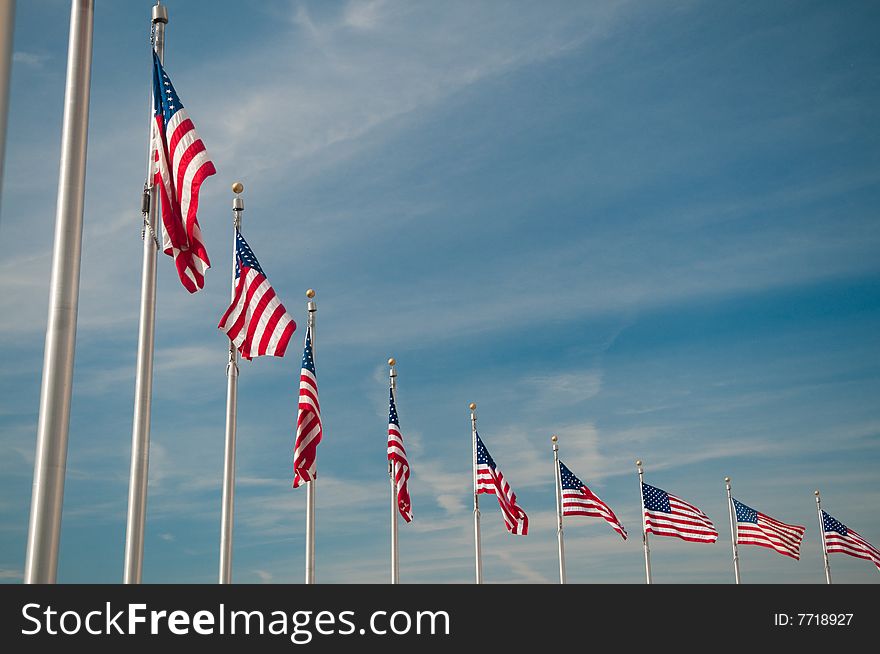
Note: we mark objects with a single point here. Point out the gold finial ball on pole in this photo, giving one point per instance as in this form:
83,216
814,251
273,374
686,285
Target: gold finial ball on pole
237,187
638,462
554,438
727,480
816,493
392,361
472,406
310,293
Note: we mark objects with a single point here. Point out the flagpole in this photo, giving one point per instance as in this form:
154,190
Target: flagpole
50,461
395,561
824,544
644,526
7,27
227,516
143,387
477,548
558,481
310,486
732,530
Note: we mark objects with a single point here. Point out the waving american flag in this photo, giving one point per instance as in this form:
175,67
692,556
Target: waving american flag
181,164
256,321
668,515
397,459
755,528
840,538
491,481
308,420
577,499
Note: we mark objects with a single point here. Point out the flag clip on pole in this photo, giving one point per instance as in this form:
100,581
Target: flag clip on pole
395,560
733,532
310,486
644,524
822,533
478,553
227,515
558,481
143,386
50,460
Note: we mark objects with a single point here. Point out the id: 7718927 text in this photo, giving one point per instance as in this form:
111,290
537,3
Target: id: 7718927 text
812,619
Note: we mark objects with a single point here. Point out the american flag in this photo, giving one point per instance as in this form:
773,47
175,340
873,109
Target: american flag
491,481
839,538
577,499
667,515
308,420
397,459
755,528
256,321
181,164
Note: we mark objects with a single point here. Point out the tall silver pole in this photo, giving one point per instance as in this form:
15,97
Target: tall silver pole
478,553
558,481
310,486
824,545
644,526
143,386
395,560
7,22
227,514
50,462
732,530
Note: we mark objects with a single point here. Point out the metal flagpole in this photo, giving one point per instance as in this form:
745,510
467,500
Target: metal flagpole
395,561
558,481
50,461
7,23
644,526
824,545
477,549
732,530
143,386
310,486
227,518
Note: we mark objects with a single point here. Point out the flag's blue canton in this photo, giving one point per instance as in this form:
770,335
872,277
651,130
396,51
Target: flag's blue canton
392,411
483,455
745,513
244,256
569,481
830,524
655,499
165,100
308,355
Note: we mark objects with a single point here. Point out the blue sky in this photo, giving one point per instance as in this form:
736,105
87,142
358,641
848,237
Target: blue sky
650,228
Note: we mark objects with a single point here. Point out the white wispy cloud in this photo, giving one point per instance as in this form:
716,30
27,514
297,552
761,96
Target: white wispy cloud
341,88
364,15
264,576
565,388
33,59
